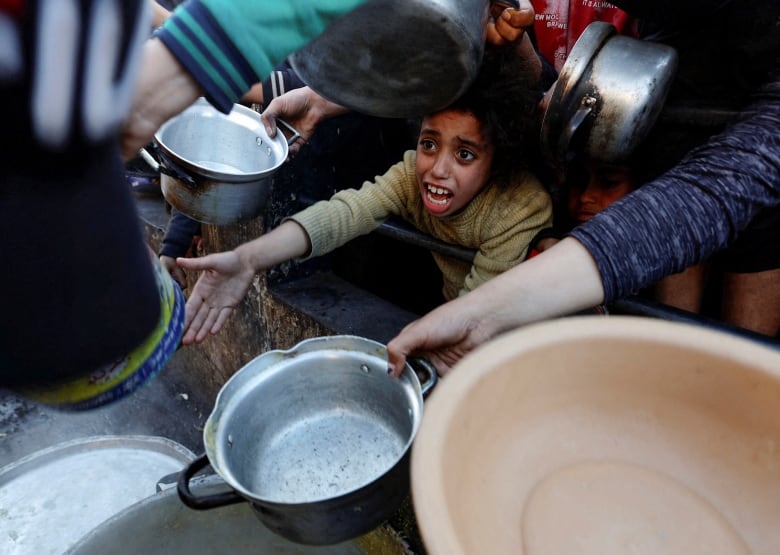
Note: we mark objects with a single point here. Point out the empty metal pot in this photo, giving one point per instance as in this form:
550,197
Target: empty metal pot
316,439
216,168
608,95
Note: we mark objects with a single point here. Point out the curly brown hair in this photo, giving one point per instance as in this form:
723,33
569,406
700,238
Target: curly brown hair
504,98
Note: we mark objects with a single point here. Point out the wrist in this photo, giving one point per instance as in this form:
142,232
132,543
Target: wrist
166,87
325,109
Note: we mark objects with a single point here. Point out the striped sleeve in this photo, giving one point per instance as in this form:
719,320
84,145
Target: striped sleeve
229,45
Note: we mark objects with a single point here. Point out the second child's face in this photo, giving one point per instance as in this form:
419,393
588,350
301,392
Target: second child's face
605,184
454,160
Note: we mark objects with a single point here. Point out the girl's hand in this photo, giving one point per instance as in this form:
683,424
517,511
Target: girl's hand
177,274
222,285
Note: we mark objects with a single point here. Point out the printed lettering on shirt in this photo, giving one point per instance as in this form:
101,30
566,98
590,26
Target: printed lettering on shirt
73,43
597,4
10,49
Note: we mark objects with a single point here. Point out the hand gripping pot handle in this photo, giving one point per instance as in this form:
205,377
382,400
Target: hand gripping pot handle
295,135
426,373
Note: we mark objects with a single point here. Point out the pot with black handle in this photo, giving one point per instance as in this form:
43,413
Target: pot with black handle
316,438
216,168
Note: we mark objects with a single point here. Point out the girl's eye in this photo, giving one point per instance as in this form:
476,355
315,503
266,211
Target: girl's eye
427,144
465,155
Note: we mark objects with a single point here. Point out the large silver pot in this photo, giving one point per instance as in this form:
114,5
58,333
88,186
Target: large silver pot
398,58
216,168
315,438
161,525
608,95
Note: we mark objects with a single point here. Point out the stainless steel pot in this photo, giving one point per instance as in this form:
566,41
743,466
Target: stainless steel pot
608,95
398,58
216,168
315,438
161,525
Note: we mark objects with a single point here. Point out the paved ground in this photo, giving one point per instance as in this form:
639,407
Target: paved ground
168,406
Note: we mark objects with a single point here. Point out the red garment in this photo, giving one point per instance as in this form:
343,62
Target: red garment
559,23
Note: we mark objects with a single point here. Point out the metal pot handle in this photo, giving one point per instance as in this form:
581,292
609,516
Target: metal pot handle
567,134
295,135
166,165
426,373
172,169
208,501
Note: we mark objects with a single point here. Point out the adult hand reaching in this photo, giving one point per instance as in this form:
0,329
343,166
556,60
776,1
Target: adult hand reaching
223,284
302,108
443,336
557,282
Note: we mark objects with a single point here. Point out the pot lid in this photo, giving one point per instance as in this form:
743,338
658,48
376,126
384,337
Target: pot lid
51,498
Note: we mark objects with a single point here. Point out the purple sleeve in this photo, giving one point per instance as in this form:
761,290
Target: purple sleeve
693,210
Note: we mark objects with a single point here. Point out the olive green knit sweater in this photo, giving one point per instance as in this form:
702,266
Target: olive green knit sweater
498,223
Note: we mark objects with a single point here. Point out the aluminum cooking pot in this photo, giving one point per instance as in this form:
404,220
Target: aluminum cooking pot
608,95
398,58
315,438
216,168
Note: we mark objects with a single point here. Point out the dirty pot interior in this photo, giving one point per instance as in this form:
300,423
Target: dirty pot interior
230,147
311,428
316,438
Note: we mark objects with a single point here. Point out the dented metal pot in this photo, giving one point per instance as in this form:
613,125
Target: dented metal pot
608,95
316,438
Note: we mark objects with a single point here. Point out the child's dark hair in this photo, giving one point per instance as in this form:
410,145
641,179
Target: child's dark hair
504,97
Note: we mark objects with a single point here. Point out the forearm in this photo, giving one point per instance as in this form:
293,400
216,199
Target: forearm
562,280
287,241
159,13
164,89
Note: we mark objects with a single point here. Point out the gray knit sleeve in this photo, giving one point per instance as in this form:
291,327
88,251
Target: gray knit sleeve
693,210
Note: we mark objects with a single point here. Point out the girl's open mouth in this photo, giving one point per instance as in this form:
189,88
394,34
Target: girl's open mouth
436,199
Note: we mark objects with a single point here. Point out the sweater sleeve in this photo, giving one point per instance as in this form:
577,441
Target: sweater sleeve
507,234
229,45
693,210
351,213
179,234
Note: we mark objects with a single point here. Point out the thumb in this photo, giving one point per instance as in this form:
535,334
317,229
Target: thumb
197,264
269,120
396,359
